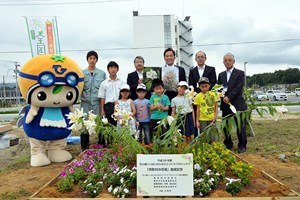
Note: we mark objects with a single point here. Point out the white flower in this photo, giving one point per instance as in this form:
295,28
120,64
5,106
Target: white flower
132,173
211,180
231,180
201,194
109,189
76,115
104,120
208,172
124,116
122,180
91,115
115,190
197,166
123,195
126,190
151,74
116,170
190,93
90,126
232,108
198,180
95,191
170,120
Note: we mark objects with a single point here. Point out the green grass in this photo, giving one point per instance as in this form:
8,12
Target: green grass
12,195
274,138
10,112
19,163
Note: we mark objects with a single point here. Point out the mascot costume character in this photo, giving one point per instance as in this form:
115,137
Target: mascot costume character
50,84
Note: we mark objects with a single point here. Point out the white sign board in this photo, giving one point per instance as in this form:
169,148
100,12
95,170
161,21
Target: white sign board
165,175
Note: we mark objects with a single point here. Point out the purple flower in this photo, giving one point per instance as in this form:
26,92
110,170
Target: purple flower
98,146
71,170
62,174
115,156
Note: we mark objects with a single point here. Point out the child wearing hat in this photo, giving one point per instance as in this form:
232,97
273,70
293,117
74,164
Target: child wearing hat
125,110
159,104
184,105
142,108
207,107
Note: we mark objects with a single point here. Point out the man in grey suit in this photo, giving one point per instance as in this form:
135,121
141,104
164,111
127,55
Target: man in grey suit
233,81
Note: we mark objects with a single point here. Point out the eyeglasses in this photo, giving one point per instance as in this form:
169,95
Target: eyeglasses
47,78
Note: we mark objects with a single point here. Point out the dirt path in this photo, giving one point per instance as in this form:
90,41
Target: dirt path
286,172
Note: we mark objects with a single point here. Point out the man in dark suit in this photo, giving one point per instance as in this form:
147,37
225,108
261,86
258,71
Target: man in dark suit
199,71
171,74
202,70
136,77
233,81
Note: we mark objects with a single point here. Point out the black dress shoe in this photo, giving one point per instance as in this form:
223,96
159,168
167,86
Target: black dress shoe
228,147
243,150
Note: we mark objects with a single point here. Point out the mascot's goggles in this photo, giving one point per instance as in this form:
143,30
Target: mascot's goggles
47,78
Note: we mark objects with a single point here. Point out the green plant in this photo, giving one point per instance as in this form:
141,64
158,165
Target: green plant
9,196
92,185
23,192
243,171
120,181
233,186
65,184
204,183
78,174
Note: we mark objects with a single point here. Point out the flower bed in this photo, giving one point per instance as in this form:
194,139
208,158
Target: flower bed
111,173
106,173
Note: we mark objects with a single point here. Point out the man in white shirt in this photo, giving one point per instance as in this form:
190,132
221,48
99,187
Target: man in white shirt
202,70
171,74
109,93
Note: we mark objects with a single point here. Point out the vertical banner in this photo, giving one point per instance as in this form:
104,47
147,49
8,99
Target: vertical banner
43,35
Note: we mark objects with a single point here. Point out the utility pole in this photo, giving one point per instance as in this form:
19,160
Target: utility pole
4,92
16,71
245,63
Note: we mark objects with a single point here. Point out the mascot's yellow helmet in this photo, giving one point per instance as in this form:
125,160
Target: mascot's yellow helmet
48,70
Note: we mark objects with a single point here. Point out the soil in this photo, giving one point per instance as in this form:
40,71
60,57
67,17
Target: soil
22,180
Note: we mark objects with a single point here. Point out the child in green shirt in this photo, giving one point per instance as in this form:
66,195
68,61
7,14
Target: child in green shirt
159,104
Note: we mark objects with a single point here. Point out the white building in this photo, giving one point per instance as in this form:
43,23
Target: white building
154,33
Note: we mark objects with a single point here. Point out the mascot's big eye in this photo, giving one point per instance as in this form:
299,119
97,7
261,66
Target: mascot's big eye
42,96
69,96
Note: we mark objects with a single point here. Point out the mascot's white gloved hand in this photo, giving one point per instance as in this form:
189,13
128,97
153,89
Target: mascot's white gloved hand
32,113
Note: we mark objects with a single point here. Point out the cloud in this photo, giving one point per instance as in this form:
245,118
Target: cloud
108,26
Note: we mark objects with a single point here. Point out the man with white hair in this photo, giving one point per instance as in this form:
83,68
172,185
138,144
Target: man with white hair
233,81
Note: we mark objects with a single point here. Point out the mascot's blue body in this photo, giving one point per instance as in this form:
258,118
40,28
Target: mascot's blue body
35,130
